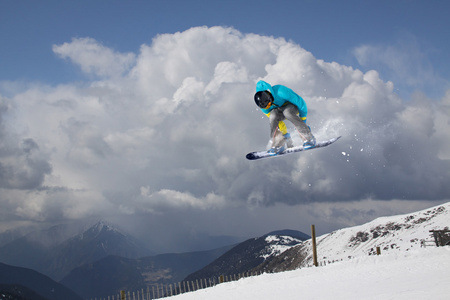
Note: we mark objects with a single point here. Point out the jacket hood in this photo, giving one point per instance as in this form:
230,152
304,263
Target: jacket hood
263,86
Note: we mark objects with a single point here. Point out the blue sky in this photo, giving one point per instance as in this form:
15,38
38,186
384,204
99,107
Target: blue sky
141,113
331,30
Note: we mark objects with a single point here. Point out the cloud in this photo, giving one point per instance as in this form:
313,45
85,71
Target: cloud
406,62
22,163
171,198
94,58
165,131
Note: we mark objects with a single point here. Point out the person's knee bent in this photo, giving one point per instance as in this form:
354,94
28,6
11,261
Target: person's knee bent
276,116
291,113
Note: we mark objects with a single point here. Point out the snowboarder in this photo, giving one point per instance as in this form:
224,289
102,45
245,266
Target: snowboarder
280,103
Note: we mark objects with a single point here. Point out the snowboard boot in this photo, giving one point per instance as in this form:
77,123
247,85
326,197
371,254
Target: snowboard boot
276,150
310,143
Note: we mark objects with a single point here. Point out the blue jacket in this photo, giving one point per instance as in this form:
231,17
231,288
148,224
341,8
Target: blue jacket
281,95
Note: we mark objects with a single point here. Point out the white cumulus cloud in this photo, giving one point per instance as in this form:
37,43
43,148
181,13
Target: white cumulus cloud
94,58
167,129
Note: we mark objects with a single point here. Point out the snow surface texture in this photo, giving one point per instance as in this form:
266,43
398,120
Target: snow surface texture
417,274
394,233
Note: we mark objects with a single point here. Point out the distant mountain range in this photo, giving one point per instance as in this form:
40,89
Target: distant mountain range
96,243
17,283
46,252
31,249
99,261
102,260
110,274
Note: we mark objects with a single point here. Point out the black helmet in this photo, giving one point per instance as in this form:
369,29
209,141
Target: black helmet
263,99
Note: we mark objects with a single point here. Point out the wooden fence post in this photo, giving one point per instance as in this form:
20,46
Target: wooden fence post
378,250
122,295
314,246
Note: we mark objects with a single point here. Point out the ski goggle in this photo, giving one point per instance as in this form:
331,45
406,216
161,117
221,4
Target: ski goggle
268,105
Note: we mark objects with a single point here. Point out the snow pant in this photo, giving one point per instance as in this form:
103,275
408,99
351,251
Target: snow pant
287,112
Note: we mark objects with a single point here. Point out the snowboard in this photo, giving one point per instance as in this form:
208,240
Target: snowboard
264,154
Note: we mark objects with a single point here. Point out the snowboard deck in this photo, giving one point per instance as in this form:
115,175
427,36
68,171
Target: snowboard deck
264,154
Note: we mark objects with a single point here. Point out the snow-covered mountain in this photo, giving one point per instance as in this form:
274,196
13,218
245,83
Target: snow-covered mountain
394,233
53,254
96,243
410,265
249,254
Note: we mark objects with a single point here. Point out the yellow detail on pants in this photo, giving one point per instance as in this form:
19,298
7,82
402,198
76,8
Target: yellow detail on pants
281,125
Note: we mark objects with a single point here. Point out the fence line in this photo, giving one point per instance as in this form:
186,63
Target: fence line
159,290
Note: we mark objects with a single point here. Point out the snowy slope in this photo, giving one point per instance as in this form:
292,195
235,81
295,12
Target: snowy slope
421,273
395,233
392,234
350,270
